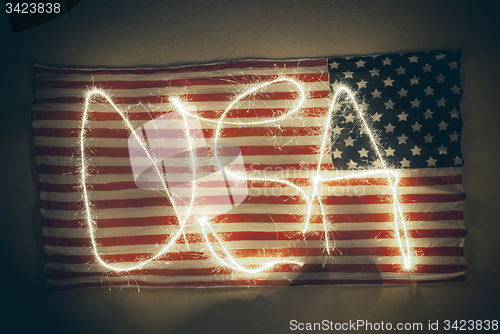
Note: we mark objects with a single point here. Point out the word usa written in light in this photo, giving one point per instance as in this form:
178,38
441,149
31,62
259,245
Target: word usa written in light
311,199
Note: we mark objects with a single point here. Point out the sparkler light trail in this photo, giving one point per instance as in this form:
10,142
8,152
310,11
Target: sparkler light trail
310,199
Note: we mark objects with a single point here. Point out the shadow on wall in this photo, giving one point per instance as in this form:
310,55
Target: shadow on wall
265,312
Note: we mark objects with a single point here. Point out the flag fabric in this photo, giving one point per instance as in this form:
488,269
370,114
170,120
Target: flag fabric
127,211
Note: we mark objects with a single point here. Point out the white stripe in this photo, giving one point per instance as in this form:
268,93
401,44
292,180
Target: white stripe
280,141
109,232
202,264
154,211
183,90
112,162
353,191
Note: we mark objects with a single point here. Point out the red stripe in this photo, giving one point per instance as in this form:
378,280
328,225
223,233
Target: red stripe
66,115
208,97
155,272
75,170
208,133
430,180
439,251
243,253
358,200
107,204
84,259
191,68
433,216
261,218
120,152
73,187
211,81
252,236
267,200
102,170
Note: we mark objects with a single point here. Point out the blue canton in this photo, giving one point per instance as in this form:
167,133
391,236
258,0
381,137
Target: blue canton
411,102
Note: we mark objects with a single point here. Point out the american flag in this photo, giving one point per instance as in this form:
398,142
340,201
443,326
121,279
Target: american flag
410,101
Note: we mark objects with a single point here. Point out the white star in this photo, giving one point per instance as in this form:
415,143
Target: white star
429,91
431,162
413,59
453,65
405,163
440,77
349,118
454,113
389,152
427,68
442,149
336,105
363,153
389,128
414,80
349,141
374,72
389,104
440,56
362,84
363,105
442,126
416,150
376,117
402,139
348,74
455,89
454,136
402,116
428,138
428,114
378,164
337,154
401,70
415,103
403,92
388,82
386,61
334,65
337,130
376,93
441,102
360,63
458,161
416,127
352,164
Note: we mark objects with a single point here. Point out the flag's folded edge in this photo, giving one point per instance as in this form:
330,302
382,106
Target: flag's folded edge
235,60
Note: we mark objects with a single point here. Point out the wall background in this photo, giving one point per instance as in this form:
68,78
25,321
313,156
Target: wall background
158,33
